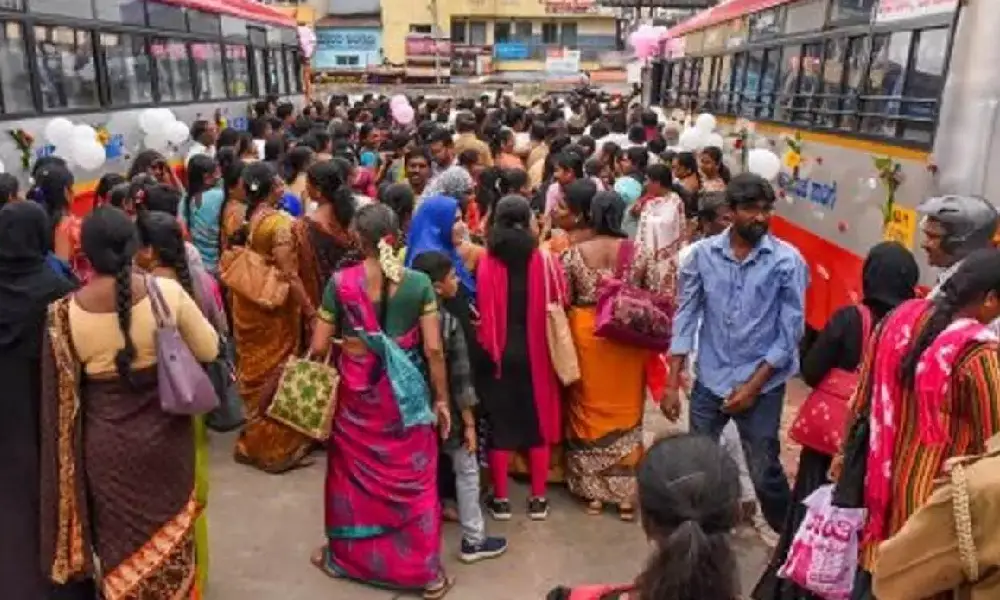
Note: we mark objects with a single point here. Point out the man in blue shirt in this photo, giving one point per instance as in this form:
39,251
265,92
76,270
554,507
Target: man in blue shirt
747,288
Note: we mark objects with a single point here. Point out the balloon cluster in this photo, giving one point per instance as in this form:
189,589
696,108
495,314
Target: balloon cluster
401,110
76,143
701,135
646,40
162,129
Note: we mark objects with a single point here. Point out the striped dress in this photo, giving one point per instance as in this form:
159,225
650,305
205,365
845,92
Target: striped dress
970,416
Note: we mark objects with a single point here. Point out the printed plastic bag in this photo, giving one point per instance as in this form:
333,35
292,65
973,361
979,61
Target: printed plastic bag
823,557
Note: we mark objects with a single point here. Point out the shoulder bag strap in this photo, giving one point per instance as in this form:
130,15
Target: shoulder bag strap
866,324
626,251
160,308
548,276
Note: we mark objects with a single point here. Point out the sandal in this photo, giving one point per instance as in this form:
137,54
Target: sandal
318,560
626,512
595,508
449,514
440,588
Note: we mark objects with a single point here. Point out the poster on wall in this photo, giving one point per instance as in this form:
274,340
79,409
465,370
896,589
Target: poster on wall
890,11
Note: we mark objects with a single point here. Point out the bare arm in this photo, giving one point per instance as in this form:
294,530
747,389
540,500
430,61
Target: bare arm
430,330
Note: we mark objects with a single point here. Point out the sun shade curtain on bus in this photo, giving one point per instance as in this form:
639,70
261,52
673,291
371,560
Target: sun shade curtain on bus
246,9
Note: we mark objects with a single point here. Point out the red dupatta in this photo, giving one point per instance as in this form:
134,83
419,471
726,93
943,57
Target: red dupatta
491,300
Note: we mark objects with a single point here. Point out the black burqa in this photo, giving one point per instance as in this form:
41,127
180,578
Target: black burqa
888,278
27,286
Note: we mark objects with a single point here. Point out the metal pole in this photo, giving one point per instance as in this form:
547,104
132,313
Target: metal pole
435,34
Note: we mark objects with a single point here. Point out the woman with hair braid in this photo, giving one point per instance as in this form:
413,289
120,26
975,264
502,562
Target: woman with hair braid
163,255
265,335
935,365
134,508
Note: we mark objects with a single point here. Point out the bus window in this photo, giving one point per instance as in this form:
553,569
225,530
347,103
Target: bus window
130,78
769,82
210,81
924,83
789,79
754,64
174,70
833,82
810,73
260,82
722,87
237,71
885,83
857,59
15,78
739,78
66,72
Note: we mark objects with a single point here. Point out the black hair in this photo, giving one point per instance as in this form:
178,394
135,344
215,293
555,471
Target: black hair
556,146
592,167
258,183
468,158
119,195
200,169
232,176
977,276
399,197
465,123
374,222
163,234
143,162
329,180
511,181
228,138
274,149
105,184
599,130
578,197
297,161
50,191
162,198
441,135
365,131
747,188
258,127
109,241
637,134
657,145
689,496
587,143
639,157
284,110
319,141
419,152
302,126
607,210
660,173
649,118
715,153
689,161
261,107
245,145
198,129
48,161
611,150
501,137
435,264
8,188
538,132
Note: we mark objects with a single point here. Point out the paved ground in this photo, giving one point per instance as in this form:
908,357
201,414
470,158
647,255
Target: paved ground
264,527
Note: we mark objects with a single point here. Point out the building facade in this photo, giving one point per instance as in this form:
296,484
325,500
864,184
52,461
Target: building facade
515,35
347,43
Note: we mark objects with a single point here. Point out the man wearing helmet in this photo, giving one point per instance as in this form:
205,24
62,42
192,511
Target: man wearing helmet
954,227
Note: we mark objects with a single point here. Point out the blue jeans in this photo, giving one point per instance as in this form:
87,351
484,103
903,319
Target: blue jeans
470,513
758,429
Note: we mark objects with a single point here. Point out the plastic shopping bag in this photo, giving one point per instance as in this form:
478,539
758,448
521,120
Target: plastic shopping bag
823,557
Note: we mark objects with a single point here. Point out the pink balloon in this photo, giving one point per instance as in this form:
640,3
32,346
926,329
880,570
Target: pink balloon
645,41
398,100
402,113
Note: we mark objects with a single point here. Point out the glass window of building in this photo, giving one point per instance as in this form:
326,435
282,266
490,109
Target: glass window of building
15,77
66,71
210,78
501,32
522,31
567,36
458,31
130,72
173,69
237,71
421,28
550,33
477,33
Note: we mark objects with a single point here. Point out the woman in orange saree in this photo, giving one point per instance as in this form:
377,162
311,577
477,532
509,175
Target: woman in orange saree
266,337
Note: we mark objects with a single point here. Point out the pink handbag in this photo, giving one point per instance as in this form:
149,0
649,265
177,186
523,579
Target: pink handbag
631,315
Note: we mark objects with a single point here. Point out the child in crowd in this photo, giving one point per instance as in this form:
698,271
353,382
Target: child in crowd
461,442
9,189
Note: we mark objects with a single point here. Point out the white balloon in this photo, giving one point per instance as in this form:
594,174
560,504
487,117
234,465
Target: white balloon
147,118
59,131
90,156
705,123
714,139
763,162
84,133
155,141
3,169
177,133
691,139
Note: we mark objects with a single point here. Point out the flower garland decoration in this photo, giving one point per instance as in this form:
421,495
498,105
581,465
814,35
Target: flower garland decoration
890,173
25,142
103,135
793,155
220,120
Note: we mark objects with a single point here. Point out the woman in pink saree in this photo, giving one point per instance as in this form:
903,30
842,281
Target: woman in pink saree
383,519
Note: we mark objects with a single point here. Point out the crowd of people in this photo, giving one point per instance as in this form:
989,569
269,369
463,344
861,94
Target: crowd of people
471,246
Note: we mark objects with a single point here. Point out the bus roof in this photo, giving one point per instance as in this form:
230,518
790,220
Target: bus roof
720,13
243,9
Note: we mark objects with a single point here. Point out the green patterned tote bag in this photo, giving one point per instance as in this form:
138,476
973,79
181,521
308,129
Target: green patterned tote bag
306,398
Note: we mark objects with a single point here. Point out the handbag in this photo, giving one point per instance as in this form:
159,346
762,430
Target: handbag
249,274
184,386
822,420
306,397
629,314
562,350
228,416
